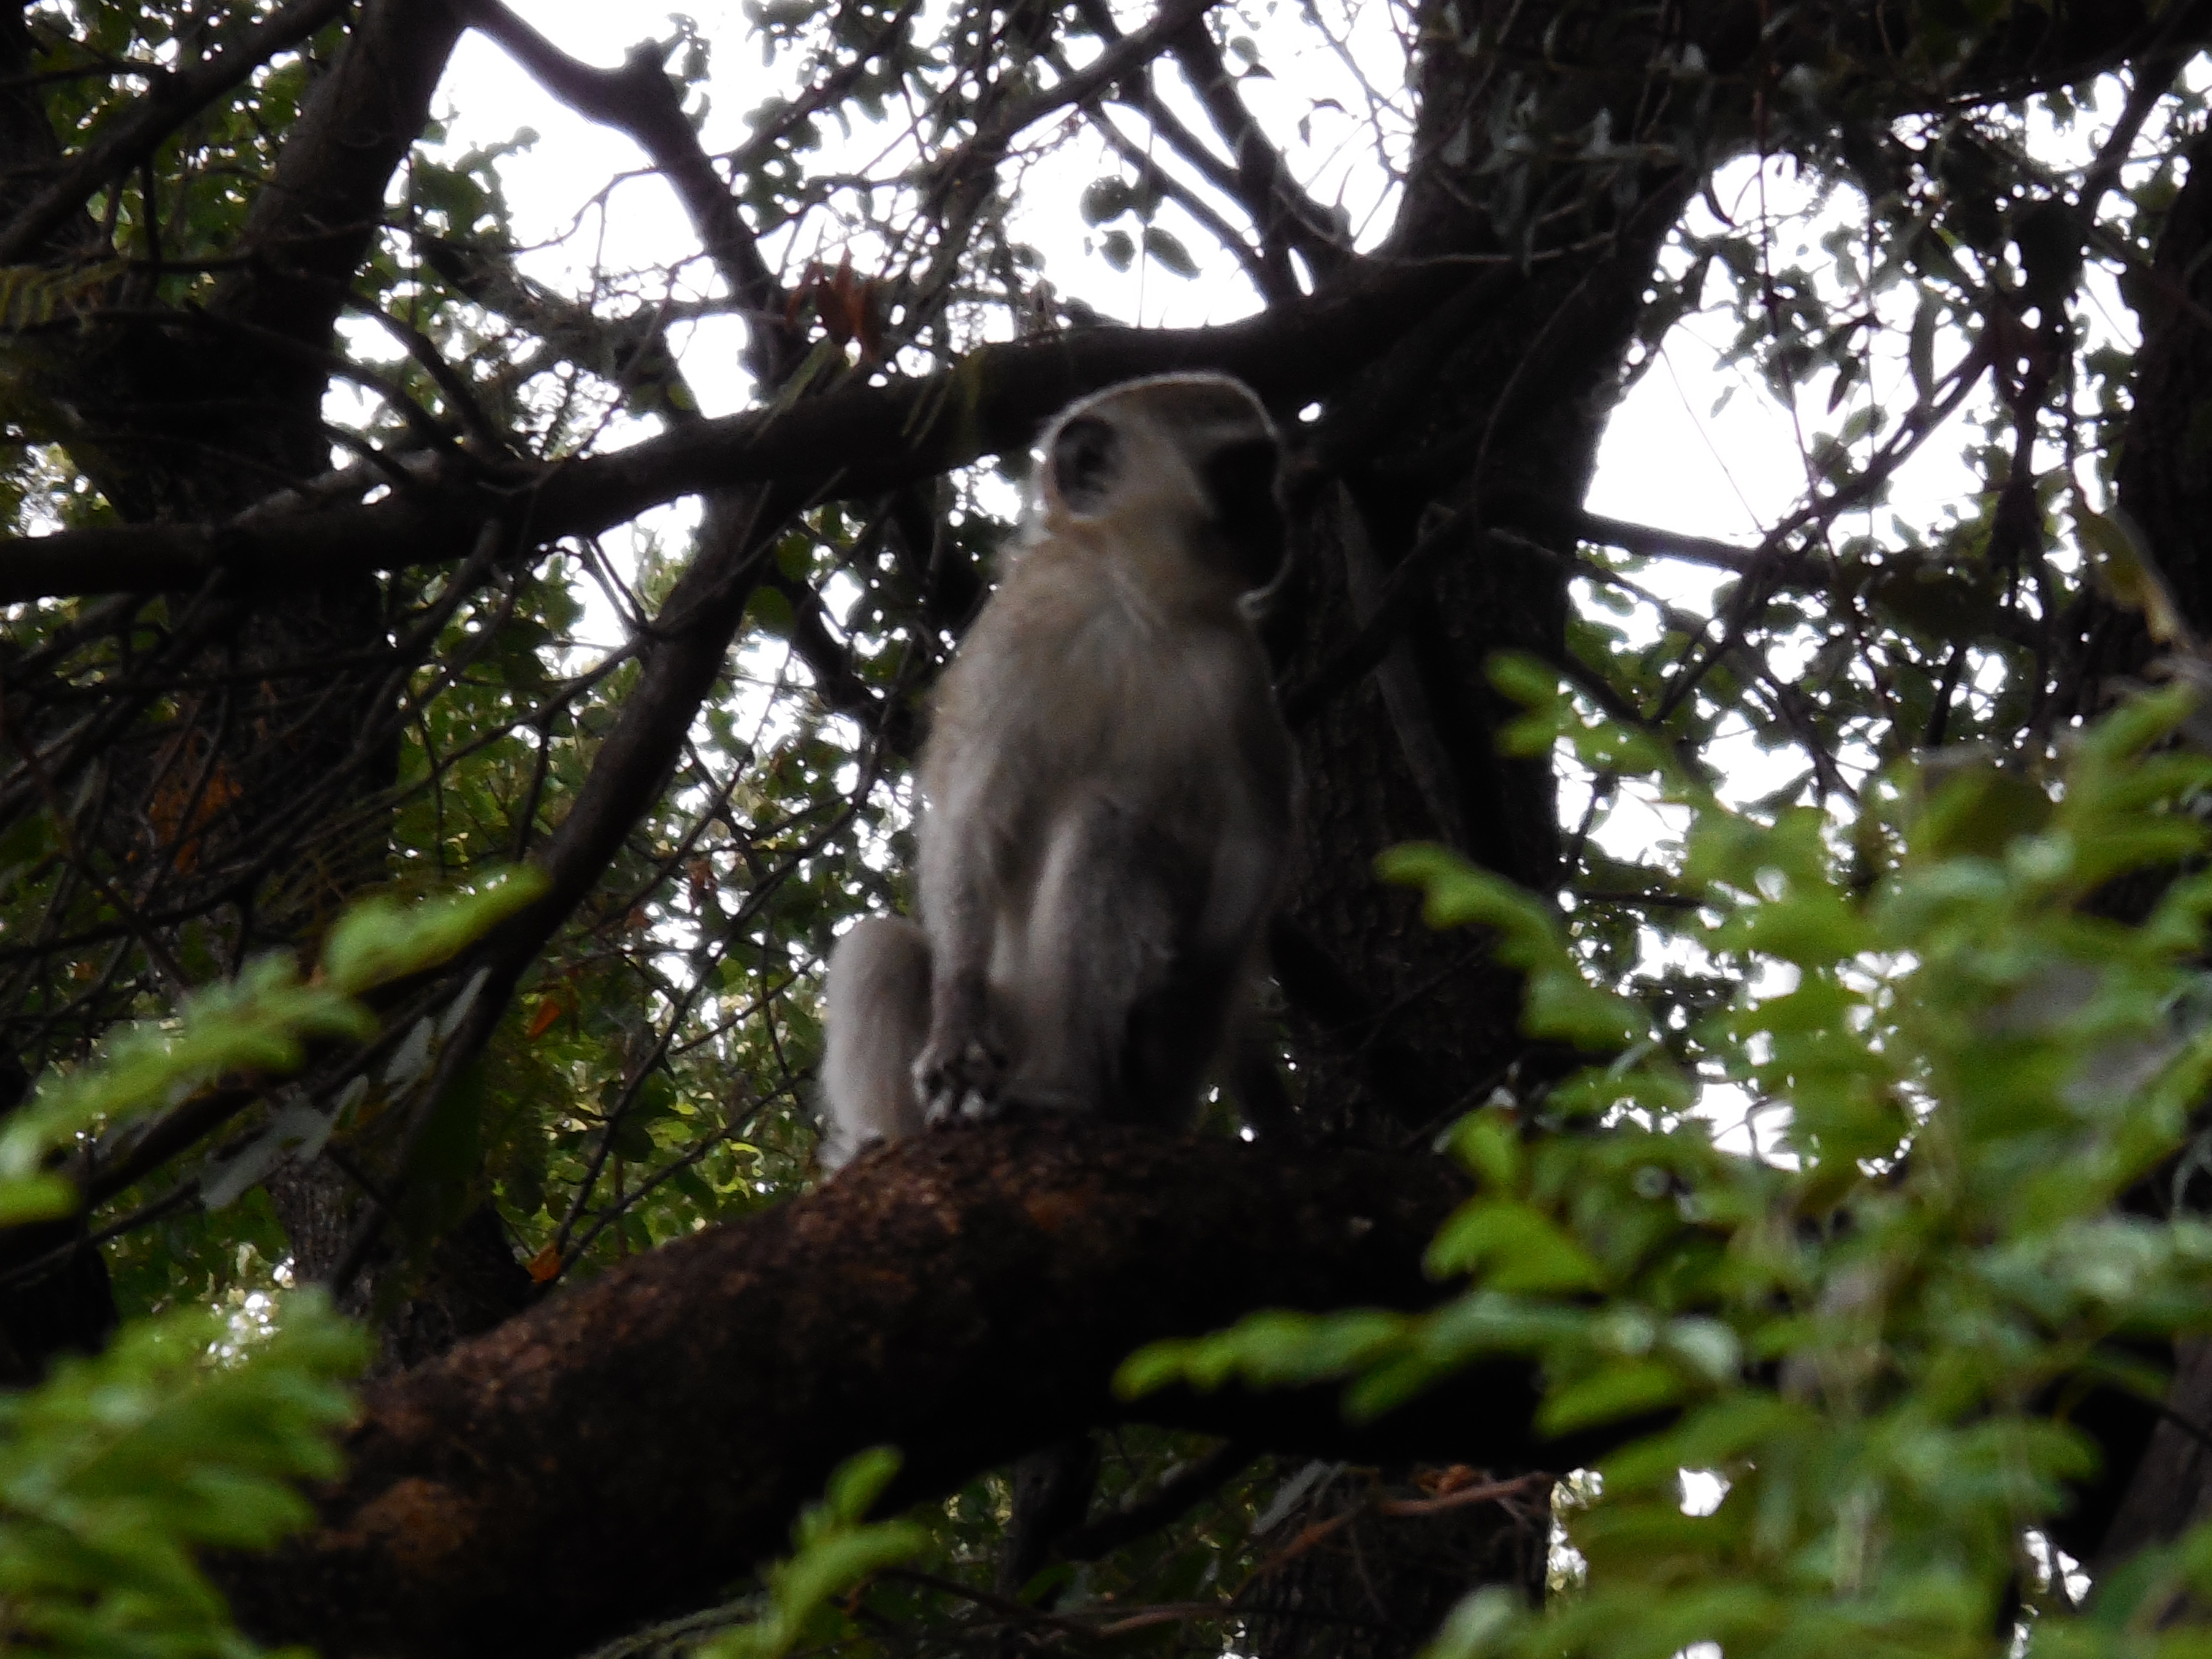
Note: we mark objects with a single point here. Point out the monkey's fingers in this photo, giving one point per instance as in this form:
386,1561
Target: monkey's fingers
962,1083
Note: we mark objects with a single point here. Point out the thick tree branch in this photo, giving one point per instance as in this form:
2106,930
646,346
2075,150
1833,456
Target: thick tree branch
170,101
311,224
965,1295
686,645
688,642
860,440
30,150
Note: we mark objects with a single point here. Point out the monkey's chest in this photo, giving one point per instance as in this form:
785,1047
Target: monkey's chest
1120,707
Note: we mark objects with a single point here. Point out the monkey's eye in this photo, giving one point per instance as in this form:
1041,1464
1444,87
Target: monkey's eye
1083,460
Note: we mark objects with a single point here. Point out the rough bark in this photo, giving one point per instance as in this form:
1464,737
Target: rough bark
1491,407
2166,1491
315,218
966,1297
2156,1478
2164,484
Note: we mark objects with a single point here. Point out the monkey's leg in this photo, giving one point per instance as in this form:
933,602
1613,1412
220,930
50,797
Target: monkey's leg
963,1059
1195,1020
1174,1035
1111,903
961,1065
879,1015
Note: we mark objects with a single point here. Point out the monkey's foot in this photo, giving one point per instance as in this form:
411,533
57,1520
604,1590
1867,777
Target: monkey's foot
961,1081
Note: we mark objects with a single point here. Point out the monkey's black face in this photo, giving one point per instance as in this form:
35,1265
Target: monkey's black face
1139,447
1242,479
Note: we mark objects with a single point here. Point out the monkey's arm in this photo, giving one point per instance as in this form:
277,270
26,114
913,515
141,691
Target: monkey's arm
964,1061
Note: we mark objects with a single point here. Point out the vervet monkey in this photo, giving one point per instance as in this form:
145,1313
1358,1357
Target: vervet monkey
1107,793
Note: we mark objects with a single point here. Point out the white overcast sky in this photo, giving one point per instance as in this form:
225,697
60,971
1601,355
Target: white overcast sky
1670,458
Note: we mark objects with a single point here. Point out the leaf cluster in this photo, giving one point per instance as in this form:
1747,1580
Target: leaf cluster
1873,1333
118,1468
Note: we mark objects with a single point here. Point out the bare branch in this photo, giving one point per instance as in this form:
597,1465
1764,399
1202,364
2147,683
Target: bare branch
1283,213
639,99
311,224
1125,54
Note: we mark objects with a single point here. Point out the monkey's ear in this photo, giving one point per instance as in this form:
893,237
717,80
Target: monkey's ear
1084,458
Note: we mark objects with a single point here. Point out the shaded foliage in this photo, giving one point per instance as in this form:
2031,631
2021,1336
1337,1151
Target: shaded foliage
342,564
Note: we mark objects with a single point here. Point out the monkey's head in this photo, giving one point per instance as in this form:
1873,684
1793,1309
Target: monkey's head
1191,456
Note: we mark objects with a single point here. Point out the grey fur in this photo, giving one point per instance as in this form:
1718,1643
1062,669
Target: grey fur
1108,791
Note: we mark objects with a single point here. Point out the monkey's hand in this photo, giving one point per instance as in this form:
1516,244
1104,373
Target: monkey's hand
959,1074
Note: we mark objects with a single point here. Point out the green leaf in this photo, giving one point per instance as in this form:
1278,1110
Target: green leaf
118,1469
1489,1143
1169,251
1511,1246
1105,199
1621,1390
836,1549
1266,1350
1920,353
384,939
1482,1624
1460,893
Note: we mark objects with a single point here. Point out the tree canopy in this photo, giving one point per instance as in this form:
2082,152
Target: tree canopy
457,682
